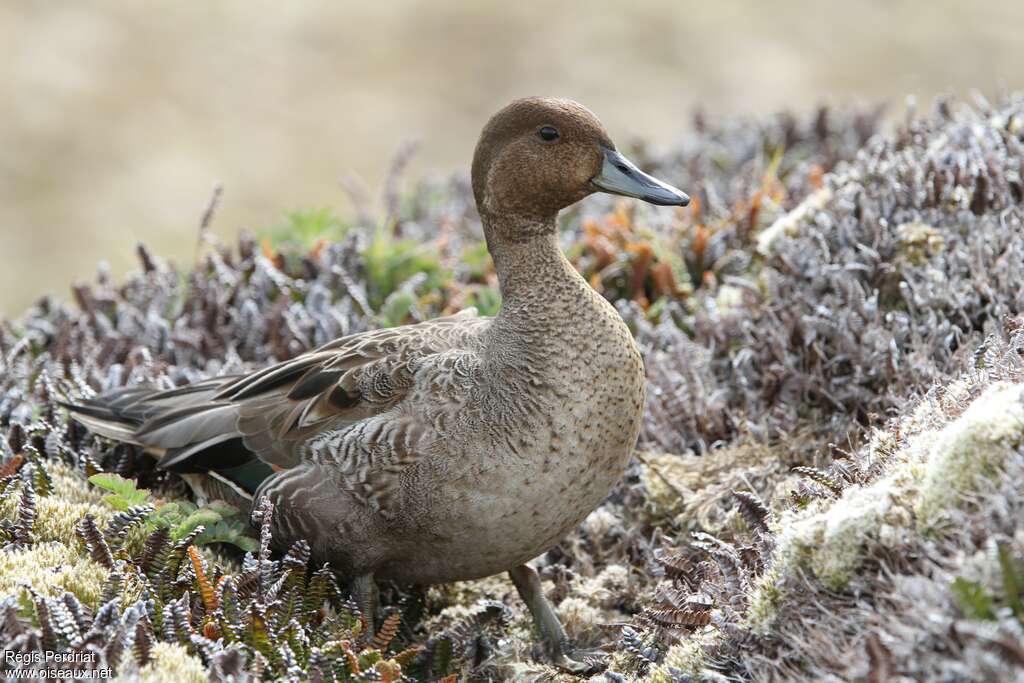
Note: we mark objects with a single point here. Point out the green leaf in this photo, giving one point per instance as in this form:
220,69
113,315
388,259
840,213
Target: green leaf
476,260
125,489
390,262
1012,579
486,300
228,532
396,308
303,228
369,657
202,517
223,509
166,515
972,598
443,656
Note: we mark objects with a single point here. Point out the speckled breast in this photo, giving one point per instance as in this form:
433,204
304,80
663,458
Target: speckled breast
546,463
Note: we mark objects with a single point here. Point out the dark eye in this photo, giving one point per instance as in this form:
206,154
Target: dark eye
548,134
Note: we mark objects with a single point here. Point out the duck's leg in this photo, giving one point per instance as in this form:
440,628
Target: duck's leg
556,642
365,593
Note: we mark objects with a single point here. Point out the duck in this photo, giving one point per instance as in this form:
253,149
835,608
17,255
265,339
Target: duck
451,449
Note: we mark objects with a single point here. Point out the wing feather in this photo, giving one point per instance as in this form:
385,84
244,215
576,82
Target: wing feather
343,402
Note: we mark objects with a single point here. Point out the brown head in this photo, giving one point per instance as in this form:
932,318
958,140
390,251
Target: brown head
538,155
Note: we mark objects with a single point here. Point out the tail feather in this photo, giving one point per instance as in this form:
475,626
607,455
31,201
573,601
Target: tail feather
182,427
185,428
103,425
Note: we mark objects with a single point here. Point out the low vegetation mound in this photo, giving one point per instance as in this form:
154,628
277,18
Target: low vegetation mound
830,474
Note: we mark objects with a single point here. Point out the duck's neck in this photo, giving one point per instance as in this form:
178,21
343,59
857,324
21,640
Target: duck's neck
533,274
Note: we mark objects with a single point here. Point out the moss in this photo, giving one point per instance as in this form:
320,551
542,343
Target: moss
52,569
689,657
696,491
663,476
70,485
789,224
601,524
57,518
581,619
918,242
973,446
933,470
593,601
729,298
58,513
172,664
843,531
766,595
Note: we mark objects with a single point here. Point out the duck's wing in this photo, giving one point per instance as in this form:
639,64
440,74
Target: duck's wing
348,387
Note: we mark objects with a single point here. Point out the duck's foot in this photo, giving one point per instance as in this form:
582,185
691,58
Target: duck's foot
586,661
555,642
577,662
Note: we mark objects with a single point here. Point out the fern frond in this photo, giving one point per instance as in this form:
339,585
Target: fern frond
123,522
94,542
387,632
206,591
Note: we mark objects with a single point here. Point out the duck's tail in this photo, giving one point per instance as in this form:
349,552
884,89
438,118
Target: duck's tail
185,429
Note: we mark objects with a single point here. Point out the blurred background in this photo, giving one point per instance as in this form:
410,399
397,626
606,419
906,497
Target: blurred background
118,118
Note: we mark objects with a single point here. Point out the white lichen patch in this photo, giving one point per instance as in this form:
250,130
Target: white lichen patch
600,524
52,569
57,517
664,477
935,468
843,529
593,601
972,446
729,298
790,224
171,664
688,657
57,513
580,618
71,485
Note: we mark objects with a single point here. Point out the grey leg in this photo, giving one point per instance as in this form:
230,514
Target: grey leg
365,593
551,632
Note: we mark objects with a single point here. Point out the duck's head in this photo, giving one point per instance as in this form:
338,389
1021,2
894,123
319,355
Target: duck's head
538,155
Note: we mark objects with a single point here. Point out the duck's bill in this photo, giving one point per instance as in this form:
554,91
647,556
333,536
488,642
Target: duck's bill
620,176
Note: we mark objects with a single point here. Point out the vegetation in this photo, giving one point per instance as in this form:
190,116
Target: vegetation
830,476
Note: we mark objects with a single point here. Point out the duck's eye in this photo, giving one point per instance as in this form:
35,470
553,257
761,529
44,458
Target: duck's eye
548,134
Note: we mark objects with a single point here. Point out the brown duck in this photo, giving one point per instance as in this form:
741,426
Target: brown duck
451,449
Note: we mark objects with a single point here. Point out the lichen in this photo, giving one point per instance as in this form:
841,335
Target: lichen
57,518
789,224
51,569
928,475
975,445
663,477
172,663
919,242
688,658
593,601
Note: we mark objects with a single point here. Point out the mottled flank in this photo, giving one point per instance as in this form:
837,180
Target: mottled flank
831,467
